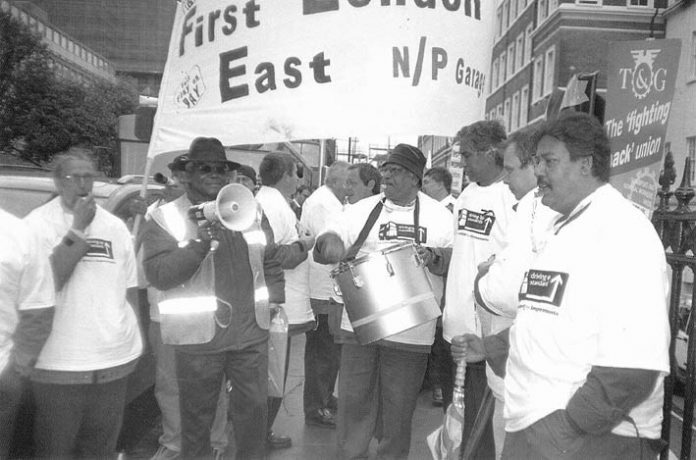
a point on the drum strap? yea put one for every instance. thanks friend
(370, 222)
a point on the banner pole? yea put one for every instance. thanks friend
(322, 161)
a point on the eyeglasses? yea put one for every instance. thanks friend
(80, 178)
(392, 170)
(209, 168)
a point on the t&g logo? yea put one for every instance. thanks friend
(642, 78)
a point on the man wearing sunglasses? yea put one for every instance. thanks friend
(244, 279)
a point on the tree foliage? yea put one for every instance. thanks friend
(42, 114)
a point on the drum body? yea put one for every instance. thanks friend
(386, 292)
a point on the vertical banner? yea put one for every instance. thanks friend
(640, 86)
(268, 71)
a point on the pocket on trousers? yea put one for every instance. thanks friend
(554, 437)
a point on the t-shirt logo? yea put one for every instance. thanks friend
(394, 231)
(100, 249)
(476, 223)
(544, 286)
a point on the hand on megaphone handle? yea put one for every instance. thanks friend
(209, 231)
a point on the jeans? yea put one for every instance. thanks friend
(78, 420)
(322, 360)
(167, 394)
(553, 438)
(11, 385)
(199, 377)
(378, 391)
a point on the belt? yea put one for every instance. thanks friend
(83, 377)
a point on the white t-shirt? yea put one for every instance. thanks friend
(26, 281)
(481, 217)
(319, 210)
(395, 223)
(596, 295)
(94, 326)
(449, 202)
(284, 224)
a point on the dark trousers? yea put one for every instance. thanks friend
(199, 377)
(552, 438)
(474, 387)
(437, 359)
(378, 391)
(11, 385)
(322, 360)
(78, 421)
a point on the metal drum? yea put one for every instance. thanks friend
(386, 292)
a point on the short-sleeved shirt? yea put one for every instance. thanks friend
(396, 223)
(94, 326)
(26, 281)
(596, 295)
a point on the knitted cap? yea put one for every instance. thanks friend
(409, 158)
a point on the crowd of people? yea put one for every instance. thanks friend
(534, 266)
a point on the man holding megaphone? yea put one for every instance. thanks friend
(216, 298)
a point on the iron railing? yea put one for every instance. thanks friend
(676, 227)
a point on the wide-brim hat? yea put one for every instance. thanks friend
(409, 158)
(209, 149)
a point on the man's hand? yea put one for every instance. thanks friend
(468, 347)
(209, 232)
(137, 205)
(426, 254)
(306, 236)
(331, 247)
(84, 210)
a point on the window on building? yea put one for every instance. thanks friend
(513, 10)
(553, 5)
(693, 55)
(511, 59)
(524, 105)
(549, 69)
(691, 152)
(538, 77)
(506, 14)
(519, 51)
(499, 22)
(638, 3)
(515, 123)
(500, 114)
(23, 17)
(588, 2)
(15, 12)
(542, 11)
(495, 80)
(528, 43)
(503, 67)
(492, 115)
(507, 114)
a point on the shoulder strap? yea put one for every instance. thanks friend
(362, 236)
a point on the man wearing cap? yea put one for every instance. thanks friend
(247, 177)
(379, 382)
(228, 336)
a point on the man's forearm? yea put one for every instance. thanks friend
(607, 396)
(31, 334)
(440, 262)
(497, 348)
(66, 256)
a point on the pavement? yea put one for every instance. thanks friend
(308, 442)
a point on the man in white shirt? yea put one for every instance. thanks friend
(322, 355)
(588, 350)
(363, 180)
(437, 184)
(81, 374)
(27, 297)
(278, 174)
(379, 382)
(481, 216)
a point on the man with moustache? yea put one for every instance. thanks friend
(235, 280)
(588, 350)
(380, 382)
(80, 376)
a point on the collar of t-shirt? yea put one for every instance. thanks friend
(579, 209)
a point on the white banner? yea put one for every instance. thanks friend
(275, 70)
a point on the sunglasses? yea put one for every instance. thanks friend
(210, 168)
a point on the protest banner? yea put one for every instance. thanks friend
(252, 71)
(640, 86)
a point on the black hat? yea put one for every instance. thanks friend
(247, 171)
(409, 158)
(209, 149)
(179, 163)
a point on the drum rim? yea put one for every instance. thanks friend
(372, 255)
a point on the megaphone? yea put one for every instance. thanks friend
(235, 208)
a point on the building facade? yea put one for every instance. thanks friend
(540, 44)
(681, 129)
(71, 59)
(132, 34)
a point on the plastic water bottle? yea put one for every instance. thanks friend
(277, 349)
(458, 392)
